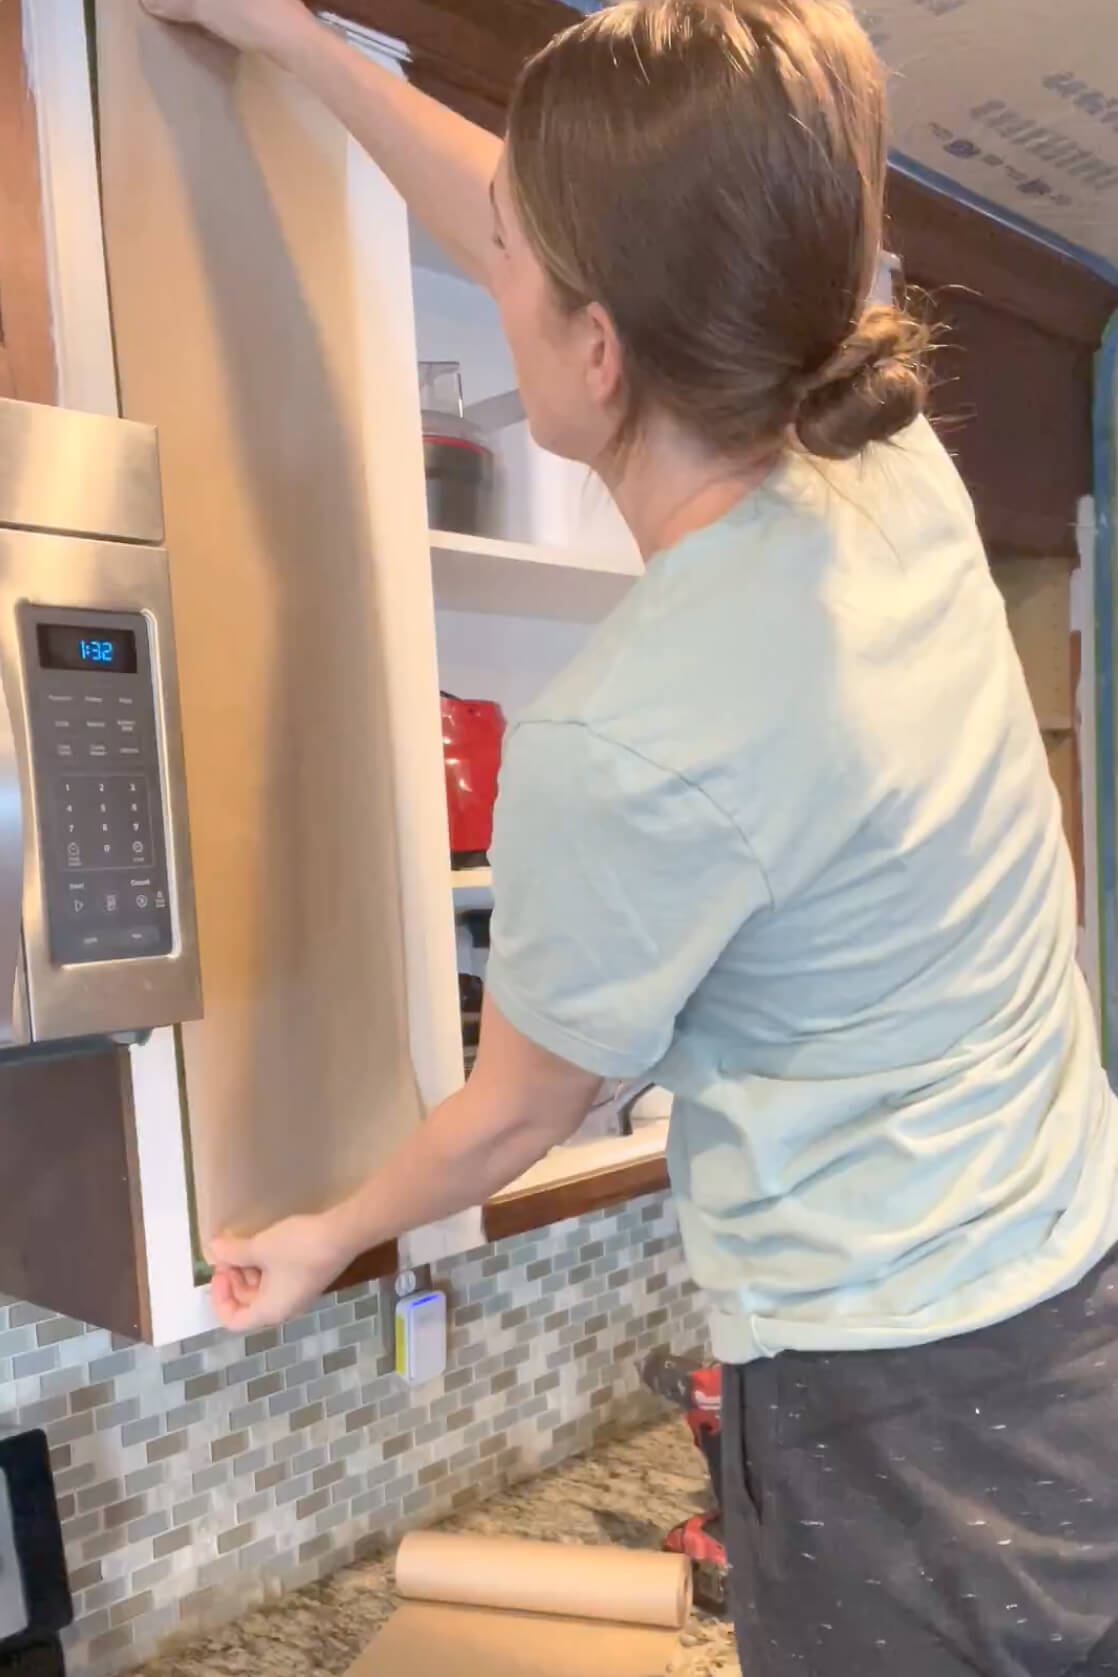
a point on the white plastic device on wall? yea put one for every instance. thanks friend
(421, 1337)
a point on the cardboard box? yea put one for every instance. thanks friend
(1037, 594)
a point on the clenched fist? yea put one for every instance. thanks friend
(252, 25)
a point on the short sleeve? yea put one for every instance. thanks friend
(617, 885)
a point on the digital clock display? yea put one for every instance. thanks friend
(68, 646)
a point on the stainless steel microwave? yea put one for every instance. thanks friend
(97, 922)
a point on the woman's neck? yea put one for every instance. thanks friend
(667, 486)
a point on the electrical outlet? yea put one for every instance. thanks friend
(390, 1291)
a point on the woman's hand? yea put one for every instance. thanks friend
(275, 1274)
(252, 25)
(440, 163)
(519, 1102)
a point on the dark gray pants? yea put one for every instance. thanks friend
(936, 1511)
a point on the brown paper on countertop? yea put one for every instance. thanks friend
(499, 1607)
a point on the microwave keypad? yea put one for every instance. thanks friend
(96, 766)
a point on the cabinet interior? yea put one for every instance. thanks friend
(514, 603)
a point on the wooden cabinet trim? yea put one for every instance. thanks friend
(519, 1213)
(466, 53)
(945, 243)
(537, 1209)
(373, 1265)
(72, 1235)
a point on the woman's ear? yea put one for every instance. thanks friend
(604, 359)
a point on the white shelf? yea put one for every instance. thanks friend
(472, 888)
(481, 573)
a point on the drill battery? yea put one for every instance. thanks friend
(695, 1388)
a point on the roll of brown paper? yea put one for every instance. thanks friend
(561, 1579)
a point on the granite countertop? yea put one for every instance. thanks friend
(628, 1492)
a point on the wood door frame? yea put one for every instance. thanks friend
(76, 282)
(153, 1192)
(27, 368)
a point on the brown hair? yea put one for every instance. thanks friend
(712, 173)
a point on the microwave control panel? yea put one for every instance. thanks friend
(94, 746)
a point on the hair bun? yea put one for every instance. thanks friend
(872, 387)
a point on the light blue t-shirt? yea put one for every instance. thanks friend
(784, 833)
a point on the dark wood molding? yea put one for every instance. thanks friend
(27, 368)
(946, 244)
(1014, 367)
(466, 53)
(373, 1265)
(535, 1209)
(1013, 402)
(71, 1234)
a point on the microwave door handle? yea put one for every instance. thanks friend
(11, 873)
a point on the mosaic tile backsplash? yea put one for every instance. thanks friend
(194, 1481)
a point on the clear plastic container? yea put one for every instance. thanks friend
(457, 461)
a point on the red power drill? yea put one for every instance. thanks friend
(697, 1390)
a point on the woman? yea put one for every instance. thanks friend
(784, 831)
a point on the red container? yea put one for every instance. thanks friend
(473, 730)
